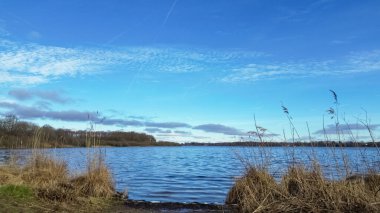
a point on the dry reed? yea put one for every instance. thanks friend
(303, 190)
(51, 180)
(96, 181)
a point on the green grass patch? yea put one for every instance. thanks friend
(16, 191)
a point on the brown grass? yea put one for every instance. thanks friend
(9, 175)
(305, 190)
(97, 181)
(255, 190)
(51, 180)
(42, 170)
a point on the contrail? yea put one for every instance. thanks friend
(116, 37)
(158, 32)
(139, 70)
(169, 13)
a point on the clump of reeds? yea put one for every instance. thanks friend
(303, 190)
(10, 175)
(255, 190)
(96, 181)
(41, 170)
(50, 178)
(308, 190)
(303, 187)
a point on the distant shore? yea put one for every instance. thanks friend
(173, 144)
(289, 144)
(15, 134)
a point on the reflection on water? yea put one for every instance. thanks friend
(199, 174)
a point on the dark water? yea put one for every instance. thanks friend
(202, 174)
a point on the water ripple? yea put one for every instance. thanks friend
(189, 174)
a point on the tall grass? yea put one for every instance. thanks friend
(50, 178)
(97, 180)
(304, 190)
(303, 186)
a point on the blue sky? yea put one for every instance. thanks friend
(191, 70)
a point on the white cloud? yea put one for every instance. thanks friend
(31, 63)
(364, 62)
(354, 63)
(256, 72)
(6, 77)
(179, 68)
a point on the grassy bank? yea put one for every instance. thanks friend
(45, 184)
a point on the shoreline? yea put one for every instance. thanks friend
(178, 206)
(230, 144)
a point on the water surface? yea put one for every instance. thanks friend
(201, 174)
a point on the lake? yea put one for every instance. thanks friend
(201, 173)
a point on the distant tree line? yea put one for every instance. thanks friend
(290, 144)
(22, 134)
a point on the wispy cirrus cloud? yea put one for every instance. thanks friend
(8, 77)
(31, 63)
(362, 62)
